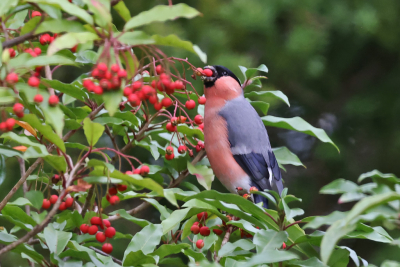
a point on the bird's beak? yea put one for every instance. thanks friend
(209, 78)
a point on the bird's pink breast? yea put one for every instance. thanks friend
(217, 146)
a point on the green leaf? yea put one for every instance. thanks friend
(291, 213)
(20, 202)
(269, 256)
(269, 240)
(66, 6)
(58, 26)
(30, 25)
(101, 12)
(137, 258)
(53, 116)
(93, 131)
(285, 156)
(18, 19)
(96, 162)
(56, 240)
(36, 198)
(136, 38)
(204, 175)
(249, 73)
(163, 210)
(379, 177)
(112, 100)
(340, 257)
(161, 13)
(18, 215)
(169, 249)
(339, 186)
(316, 222)
(175, 41)
(5, 6)
(9, 152)
(69, 40)
(229, 247)
(313, 262)
(27, 61)
(68, 89)
(23, 140)
(45, 130)
(332, 236)
(146, 240)
(190, 132)
(260, 106)
(298, 124)
(57, 162)
(122, 10)
(6, 95)
(369, 203)
(122, 213)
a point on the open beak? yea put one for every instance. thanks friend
(209, 78)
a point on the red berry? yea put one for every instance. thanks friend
(12, 78)
(3, 126)
(169, 156)
(73, 49)
(153, 99)
(112, 191)
(84, 228)
(201, 126)
(182, 149)
(199, 71)
(93, 230)
(46, 204)
(36, 14)
(137, 85)
(166, 102)
(195, 229)
(33, 81)
(122, 73)
(122, 187)
(169, 150)
(190, 104)
(96, 73)
(38, 98)
(136, 171)
(158, 106)
(62, 206)
(45, 39)
(53, 100)
(12, 52)
(239, 188)
(217, 231)
(10, 122)
(134, 100)
(107, 248)
(199, 146)
(201, 100)
(128, 91)
(198, 119)
(202, 215)
(114, 200)
(95, 220)
(37, 50)
(170, 127)
(159, 69)
(106, 223)
(144, 170)
(69, 202)
(100, 237)
(97, 90)
(105, 84)
(205, 231)
(102, 67)
(53, 199)
(114, 68)
(179, 85)
(200, 244)
(283, 245)
(208, 72)
(246, 196)
(18, 108)
(88, 84)
(110, 232)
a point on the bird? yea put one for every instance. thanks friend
(236, 141)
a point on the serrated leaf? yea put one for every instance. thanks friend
(161, 13)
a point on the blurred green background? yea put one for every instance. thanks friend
(339, 64)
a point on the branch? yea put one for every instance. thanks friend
(272, 218)
(224, 241)
(87, 202)
(296, 222)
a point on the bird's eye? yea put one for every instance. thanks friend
(224, 73)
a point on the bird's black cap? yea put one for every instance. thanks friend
(218, 72)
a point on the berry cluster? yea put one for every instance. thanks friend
(112, 193)
(108, 78)
(93, 229)
(18, 109)
(47, 39)
(8, 125)
(199, 227)
(53, 199)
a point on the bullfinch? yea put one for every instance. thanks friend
(236, 140)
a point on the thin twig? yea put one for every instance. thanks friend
(272, 218)
(105, 254)
(87, 201)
